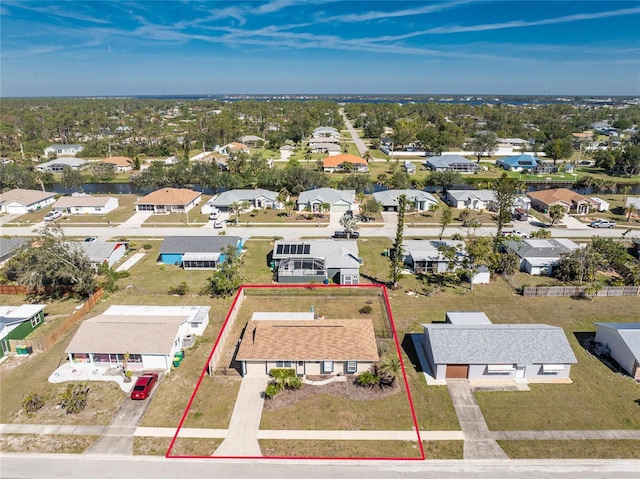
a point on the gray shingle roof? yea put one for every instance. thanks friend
(227, 197)
(337, 254)
(499, 344)
(326, 195)
(541, 248)
(197, 244)
(446, 161)
(98, 251)
(464, 195)
(390, 197)
(8, 245)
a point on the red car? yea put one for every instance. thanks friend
(144, 385)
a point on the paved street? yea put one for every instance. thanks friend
(69, 466)
(362, 148)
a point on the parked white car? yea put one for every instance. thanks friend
(52, 215)
(217, 224)
(515, 234)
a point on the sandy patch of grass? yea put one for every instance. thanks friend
(158, 446)
(568, 449)
(339, 449)
(214, 402)
(45, 443)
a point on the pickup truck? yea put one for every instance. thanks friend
(602, 224)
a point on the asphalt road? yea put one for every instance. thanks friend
(362, 148)
(46, 466)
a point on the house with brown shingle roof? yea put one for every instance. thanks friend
(335, 163)
(309, 345)
(169, 200)
(120, 164)
(20, 201)
(570, 201)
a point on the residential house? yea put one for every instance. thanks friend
(309, 345)
(197, 252)
(621, 341)
(539, 256)
(339, 201)
(121, 164)
(81, 204)
(169, 200)
(602, 205)
(474, 350)
(58, 165)
(234, 147)
(417, 199)
(319, 261)
(470, 199)
(149, 336)
(425, 256)
(456, 163)
(325, 132)
(409, 168)
(102, 252)
(257, 198)
(330, 146)
(9, 247)
(516, 143)
(528, 163)
(20, 201)
(252, 140)
(335, 163)
(466, 317)
(17, 322)
(570, 201)
(63, 150)
(635, 201)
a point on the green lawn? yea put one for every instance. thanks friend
(297, 218)
(578, 449)
(359, 449)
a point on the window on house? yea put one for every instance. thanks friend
(283, 364)
(35, 321)
(352, 366)
(552, 368)
(500, 368)
(327, 366)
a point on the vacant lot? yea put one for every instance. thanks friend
(45, 443)
(578, 449)
(443, 449)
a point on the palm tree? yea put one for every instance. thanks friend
(556, 212)
(629, 210)
(389, 369)
(234, 208)
(324, 207)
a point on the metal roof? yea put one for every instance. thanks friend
(629, 332)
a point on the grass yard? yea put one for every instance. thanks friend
(45, 443)
(568, 449)
(187, 446)
(258, 217)
(443, 449)
(214, 402)
(339, 449)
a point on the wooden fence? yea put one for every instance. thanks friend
(578, 291)
(13, 289)
(61, 329)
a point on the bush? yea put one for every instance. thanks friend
(32, 402)
(180, 290)
(368, 379)
(365, 309)
(74, 399)
(147, 246)
(271, 391)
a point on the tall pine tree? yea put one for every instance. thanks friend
(397, 254)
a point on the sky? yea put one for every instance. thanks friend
(510, 47)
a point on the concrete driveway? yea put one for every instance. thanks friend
(118, 436)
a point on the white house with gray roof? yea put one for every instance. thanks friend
(539, 256)
(477, 351)
(99, 252)
(150, 335)
(470, 199)
(63, 150)
(258, 198)
(621, 341)
(86, 204)
(456, 163)
(338, 200)
(58, 165)
(20, 201)
(320, 261)
(425, 256)
(418, 199)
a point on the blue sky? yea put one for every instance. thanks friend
(67, 48)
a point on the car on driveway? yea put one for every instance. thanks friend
(90, 239)
(601, 223)
(52, 215)
(144, 385)
(217, 224)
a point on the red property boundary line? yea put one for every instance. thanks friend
(239, 294)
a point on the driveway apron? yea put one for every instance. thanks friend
(242, 435)
(478, 440)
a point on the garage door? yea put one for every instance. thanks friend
(457, 371)
(339, 208)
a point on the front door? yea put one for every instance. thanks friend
(300, 368)
(520, 373)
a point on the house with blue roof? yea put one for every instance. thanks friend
(520, 163)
